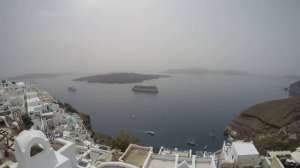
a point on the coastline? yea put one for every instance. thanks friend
(98, 137)
(120, 78)
(271, 125)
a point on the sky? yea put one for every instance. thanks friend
(98, 36)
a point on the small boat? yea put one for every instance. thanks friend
(133, 116)
(191, 142)
(205, 147)
(150, 132)
(72, 89)
(212, 134)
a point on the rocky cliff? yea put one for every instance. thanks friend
(271, 125)
(294, 89)
(97, 136)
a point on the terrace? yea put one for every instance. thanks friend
(203, 162)
(136, 155)
(181, 153)
(161, 161)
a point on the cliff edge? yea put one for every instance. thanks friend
(294, 89)
(272, 125)
(97, 136)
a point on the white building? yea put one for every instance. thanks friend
(17, 104)
(33, 150)
(2, 94)
(240, 153)
(296, 155)
(21, 85)
(34, 104)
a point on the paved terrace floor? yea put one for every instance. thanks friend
(159, 163)
(203, 165)
(136, 157)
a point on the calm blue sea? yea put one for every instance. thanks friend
(187, 106)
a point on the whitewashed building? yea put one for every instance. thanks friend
(240, 153)
(34, 104)
(33, 150)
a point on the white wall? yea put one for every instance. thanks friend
(248, 159)
(47, 158)
(68, 150)
(30, 95)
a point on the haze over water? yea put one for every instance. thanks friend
(98, 36)
(55, 36)
(187, 106)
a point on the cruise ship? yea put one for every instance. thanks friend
(147, 89)
(37, 145)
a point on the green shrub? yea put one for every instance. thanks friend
(123, 140)
(27, 121)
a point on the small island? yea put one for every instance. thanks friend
(197, 71)
(35, 76)
(120, 78)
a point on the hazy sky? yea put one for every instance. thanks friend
(154, 35)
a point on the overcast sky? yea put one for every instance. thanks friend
(155, 35)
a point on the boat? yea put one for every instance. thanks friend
(133, 116)
(145, 89)
(212, 134)
(72, 89)
(150, 132)
(191, 142)
(205, 147)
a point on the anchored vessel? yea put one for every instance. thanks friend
(72, 89)
(212, 134)
(147, 89)
(191, 142)
(150, 132)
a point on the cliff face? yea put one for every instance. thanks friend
(97, 136)
(294, 89)
(273, 119)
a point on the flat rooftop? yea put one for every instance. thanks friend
(136, 156)
(185, 154)
(245, 148)
(31, 93)
(161, 163)
(32, 108)
(57, 145)
(202, 165)
(31, 100)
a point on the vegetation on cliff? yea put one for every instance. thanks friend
(27, 121)
(121, 141)
(97, 136)
(272, 125)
